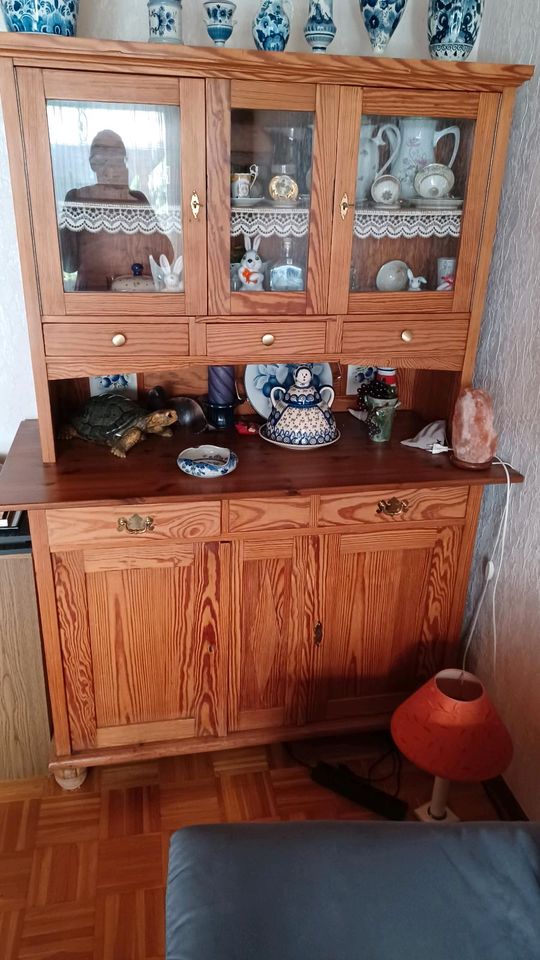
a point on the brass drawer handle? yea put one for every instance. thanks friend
(135, 524)
(392, 507)
(407, 336)
(195, 205)
(345, 206)
(119, 340)
(268, 339)
(318, 634)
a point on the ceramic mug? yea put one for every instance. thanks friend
(380, 418)
(241, 183)
(446, 272)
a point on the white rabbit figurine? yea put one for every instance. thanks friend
(415, 283)
(167, 278)
(250, 268)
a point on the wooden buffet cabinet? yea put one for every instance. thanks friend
(307, 592)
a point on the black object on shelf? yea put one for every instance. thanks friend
(16, 539)
(344, 782)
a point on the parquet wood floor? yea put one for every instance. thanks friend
(82, 875)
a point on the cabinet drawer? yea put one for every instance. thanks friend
(271, 339)
(442, 504)
(116, 340)
(433, 344)
(75, 529)
(279, 514)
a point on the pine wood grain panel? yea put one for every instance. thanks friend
(71, 602)
(21, 202)
(436, 344)
(447, 504)
(423, 103)
(479, 173)
(156, 649)
(377, 302)
(122, 734)
(24, 723)
(438, 644)
(33, 118)
(142, 339)
(393, 540)
(371, 625)
(59, 368)
(496, 178)
(218, 153)
(138, 557)
(322, 197)
(265, 95)
(267, 303)
(244, 342)
(94, 526)
(268, 514)
(75, 85)
(193, 172)
(86, 304)
(127, 57)
(350, 112)
(51, 635)
(264, 631)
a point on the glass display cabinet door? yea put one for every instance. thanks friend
(271, 203)
(409, 209)
(123, 202)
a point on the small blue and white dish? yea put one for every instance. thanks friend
(207, 462)
(42, 16)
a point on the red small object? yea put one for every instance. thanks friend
(246, 429)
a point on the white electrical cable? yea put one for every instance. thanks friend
(489, 572)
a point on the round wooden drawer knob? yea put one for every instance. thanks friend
(118, 340)
(268, 339)
(406, 336)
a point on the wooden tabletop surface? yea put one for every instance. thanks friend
(86, 474)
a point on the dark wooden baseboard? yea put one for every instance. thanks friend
(504, 800)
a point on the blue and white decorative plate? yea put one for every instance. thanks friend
(259, 379)
(207, 462)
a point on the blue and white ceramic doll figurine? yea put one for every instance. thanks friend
(320, 28)
(271, 26)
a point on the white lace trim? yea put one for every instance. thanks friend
(406, 223)
(118, 218)
(270, 223)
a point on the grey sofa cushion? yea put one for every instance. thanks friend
(372, 891)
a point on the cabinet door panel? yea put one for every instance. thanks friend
(385, 613)
(265, 625)
(153, 636)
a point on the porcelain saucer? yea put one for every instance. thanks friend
(207, 462)
(241, 202)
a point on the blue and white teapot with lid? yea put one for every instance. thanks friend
(301, 416)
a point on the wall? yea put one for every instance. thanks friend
(128, 20)
(507, 366)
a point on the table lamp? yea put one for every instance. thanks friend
(450, 728)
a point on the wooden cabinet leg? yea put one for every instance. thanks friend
(70, 779)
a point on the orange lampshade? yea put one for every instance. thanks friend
(450, 728)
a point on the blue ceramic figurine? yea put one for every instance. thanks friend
(381, 18)
(320, 28)
(271, 26)
(453, 27)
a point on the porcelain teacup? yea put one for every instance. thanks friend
(241, 183)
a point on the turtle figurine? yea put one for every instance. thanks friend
(118, 422)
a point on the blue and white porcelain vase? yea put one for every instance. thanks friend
(165, 21)
(320, 28)
(381, 19)
(42, 16)
(453, 27)
(219, 20)
(272, 26)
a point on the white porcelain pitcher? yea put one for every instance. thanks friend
(368, 155)
(419, 137)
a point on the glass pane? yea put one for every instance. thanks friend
(410, 191)
(116, 170)
(271, 157)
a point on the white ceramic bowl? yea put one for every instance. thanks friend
(392, 276)
(207, 462)
(434, 181)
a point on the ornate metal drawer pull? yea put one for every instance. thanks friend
(195, 205)
(392, 507)
(318, 634)
(345, 206)
(135, 524)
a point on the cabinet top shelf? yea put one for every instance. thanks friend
(83, 53)
(85, 473)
